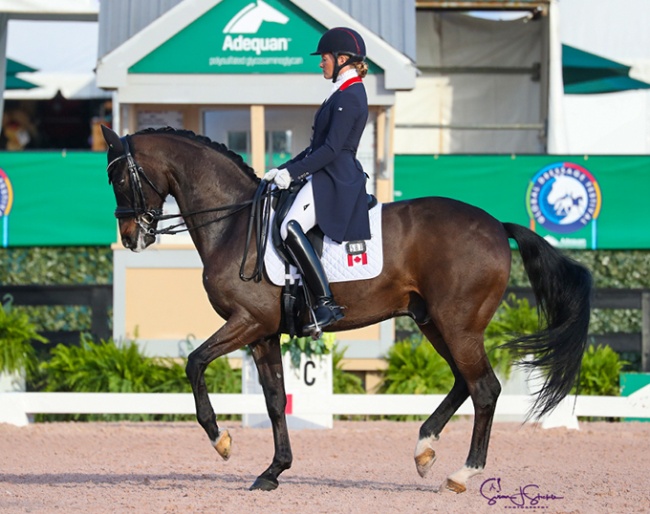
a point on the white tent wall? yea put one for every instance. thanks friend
(611, 123)
(482, 87)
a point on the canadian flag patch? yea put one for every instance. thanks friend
(357, 254)
(361, 259)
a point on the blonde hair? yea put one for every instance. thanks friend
(362, 68)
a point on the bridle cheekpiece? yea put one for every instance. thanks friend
(144, 217)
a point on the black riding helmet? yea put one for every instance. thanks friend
(342, 41)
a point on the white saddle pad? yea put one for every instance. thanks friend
(339, 264)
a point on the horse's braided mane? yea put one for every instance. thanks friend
(219, 147)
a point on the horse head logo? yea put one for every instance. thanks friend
(568, 198)
(249, 19)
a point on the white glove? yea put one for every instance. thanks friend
(282, 178)
(270, 175)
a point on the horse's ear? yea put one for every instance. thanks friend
(112, 140)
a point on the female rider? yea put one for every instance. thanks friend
(334, 191)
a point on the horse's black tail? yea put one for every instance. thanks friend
(562, 289)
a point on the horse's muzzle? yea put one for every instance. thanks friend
(135, 236)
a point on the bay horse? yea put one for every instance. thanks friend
(446, 265)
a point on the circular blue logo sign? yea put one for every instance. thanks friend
(6, 194)
(563, 197)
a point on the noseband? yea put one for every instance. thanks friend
(144, 217)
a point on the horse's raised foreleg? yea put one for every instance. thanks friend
(232, 336)
(268, 360)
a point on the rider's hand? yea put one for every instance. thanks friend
(282, 178)
(270, 175)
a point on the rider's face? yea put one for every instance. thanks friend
(327, 65)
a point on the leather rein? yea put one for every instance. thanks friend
(145, 217)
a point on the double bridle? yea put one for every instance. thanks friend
(145, 217)
(139, 211)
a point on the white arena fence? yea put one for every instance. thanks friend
(17, 407)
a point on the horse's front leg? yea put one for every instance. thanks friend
(268, 360)
(232, 336)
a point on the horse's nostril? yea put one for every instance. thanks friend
(127, 242)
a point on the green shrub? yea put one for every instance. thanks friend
(112, 368)
(108, 367)
(515, 317)
(307, 346)
(16, 336)
(415, 367)
(599, 375)
(101, 367)
(344, 382)
(56, 265)
(610, 268)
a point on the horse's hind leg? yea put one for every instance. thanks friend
(469, 355)
(268, 360)
(425, 455)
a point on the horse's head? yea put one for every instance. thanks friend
(139, 198)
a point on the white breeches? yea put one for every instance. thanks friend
(302, 210)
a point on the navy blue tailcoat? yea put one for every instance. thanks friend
(338, 179)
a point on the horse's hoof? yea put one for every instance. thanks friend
(264, 484)
(457, 482)
(454, 487)
(424, 461)
(223, 444)
(425, 456)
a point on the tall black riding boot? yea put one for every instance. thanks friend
(326, 310)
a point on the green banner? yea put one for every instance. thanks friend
(580, 202)
(55, 199)
(592, 202)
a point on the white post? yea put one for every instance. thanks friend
(12, 412)
(306, 386)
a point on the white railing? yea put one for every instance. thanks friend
(17, 407)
